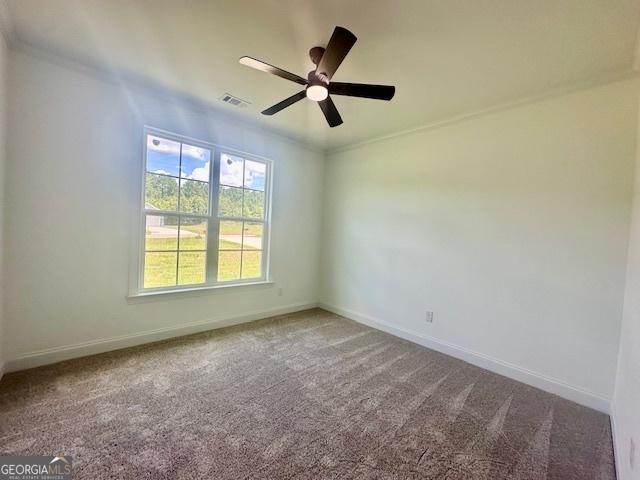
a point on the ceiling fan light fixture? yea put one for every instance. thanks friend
(317, 93)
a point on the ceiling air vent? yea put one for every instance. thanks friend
(235, 101)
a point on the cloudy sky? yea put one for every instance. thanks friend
(231, 168)
(163, 156)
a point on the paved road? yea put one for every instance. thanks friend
(169, 232)
(254, 242)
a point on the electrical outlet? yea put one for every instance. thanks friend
(429, 317)
(279, 292)
(632, 453)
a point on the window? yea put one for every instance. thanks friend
(205, 215)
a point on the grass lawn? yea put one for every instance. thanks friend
(186, 243)
(235, 228)
(199, 228)
(229, 245)
(188, 267)
(231, 262)
(160, 267)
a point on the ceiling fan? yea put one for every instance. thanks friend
(318, 84)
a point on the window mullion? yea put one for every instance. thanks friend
(213, 236)
(266, 224)
(179, 216)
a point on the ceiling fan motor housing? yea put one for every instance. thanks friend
(316, 54)
(314, 78)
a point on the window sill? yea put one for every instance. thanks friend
(181, 292)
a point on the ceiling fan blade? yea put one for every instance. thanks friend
(285, 103)
(378, 92)
(339, 45)
(330, 112)
(265, 67)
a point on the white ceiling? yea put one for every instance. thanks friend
(446, 58)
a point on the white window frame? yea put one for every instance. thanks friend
(212, 217)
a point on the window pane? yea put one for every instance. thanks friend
(253, 204)
(193, 233)
(231, 170)
(228, 266)
(160, 269)
(195, 162)
(161, 232)
(191, 268)
(230, 235)
(230, 202)
(194, 196)
(251, 264)
(161, 192)
(163, 156)
(252, 236)
(254, 175)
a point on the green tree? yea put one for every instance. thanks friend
(161, 192)
(253, 204)
(194, 197)
(230, 202)
(234, 202)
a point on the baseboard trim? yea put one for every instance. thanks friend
(543, 382)
(59, 354)
(617, 448)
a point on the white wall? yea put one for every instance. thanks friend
(3, 128)
(626, 401)
(75, 168)
(512, 227)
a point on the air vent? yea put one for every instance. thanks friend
(235, 101)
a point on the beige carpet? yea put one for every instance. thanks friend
(306, 396)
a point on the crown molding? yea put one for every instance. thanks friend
(523, 101)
